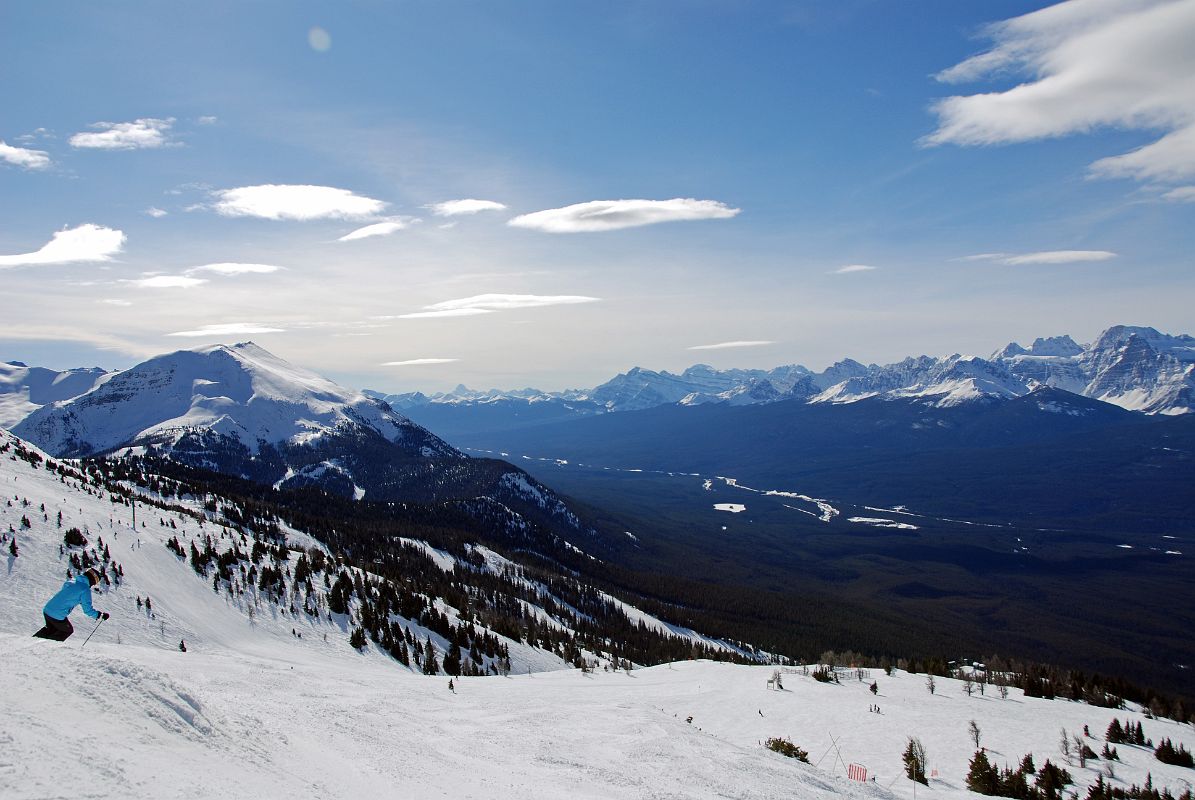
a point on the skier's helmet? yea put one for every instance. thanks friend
(93, 577)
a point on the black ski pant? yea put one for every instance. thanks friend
(57, 629)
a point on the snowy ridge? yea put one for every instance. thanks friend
(241, 392)
(1137, 368)
(25, 389)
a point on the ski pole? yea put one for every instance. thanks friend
(93, 630)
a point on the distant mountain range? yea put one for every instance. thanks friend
(1136, 368)
(242, 411)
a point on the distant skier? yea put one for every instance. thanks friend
(182, 645)
(73, 593)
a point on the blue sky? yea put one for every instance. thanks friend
(769, 182)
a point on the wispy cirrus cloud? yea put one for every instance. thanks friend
(1125, 64)
(610, 215)
(295, 202)
(490, 303)
(454, 208)
(732, 345)
(136, 135)
(87, 242)
(229, 329)
(419, 362)
(233, 268)
(155, 212)
(849, 268)
(1043, 257)
(1183, 194)
(24, 157)
(379, 229)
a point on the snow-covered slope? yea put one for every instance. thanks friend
(25, 389)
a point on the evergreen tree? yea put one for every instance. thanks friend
(12, 547)
(452, 660)
(357, 639)
(430, 665)
(1052, 780)
(914, 761)
(982, 777)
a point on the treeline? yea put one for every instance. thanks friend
(537, 600)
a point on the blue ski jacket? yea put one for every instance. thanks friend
(73, 593)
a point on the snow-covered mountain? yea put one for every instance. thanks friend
(24, 389)
(241, 393)
(1137, 368)
(243, 411)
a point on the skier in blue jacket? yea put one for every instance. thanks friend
(73, 593)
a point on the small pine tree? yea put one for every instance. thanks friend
(929, 683)
(12, 548)
(914, 761)
(357, 639)
(430, 665)
(1052, 780)
(1027, 765)
(973, 732)
(982, 777)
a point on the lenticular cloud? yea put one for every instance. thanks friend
(295, 202)
(610, 215)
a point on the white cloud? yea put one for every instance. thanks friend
(229, 329)
(1043, 257)
(297, 202)
(451, 312)
(849, 268)
(136, 135)
(609, 215)
(1087, 64)
(489, 303)
(85, 243)
(452, 208)
(116, 301)
(417, 362)
(227, 268)
(1060, 257)
(982, 257)
(167, 282)
(155, 212)
(730, 345)
(506, 302)
(208, 120)
(23, 157)
(1183, 194)
(377, 229)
